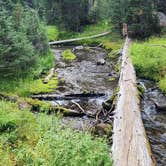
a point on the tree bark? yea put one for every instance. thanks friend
(130, 144)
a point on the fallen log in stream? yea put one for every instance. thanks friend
(130, 144)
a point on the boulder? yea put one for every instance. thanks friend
(103, 129)
(101, 62)
(162, 18)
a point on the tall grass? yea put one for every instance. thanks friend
(149, 59)
(26, 139)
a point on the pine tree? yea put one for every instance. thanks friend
(137, 14)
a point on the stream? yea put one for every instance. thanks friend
(84, 83)
(154, 121)
(90, 80)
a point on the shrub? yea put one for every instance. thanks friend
(52, 32)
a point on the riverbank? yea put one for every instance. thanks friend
(149, 59)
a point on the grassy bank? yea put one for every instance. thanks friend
(149, 59)
(26, 139)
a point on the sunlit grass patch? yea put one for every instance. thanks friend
(149, 59)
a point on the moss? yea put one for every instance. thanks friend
(42, 106)
(38, 105)
(68, 55)
(112, 79)
(162, 84)
(111, 45)
(38, 87)
(141, 89)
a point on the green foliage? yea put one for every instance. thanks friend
(162, 83)
(44, 63)
(32, 83)
(37, 86)
(28, 86)
(42, 140)
(149, 59)
(35, 31)
(52, 32)
(68, 55)
(94, 29)
(88, 30)
(22, 40)
(138, 15)
(111, 45)
(161, 5)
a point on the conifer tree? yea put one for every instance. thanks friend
(137, 14)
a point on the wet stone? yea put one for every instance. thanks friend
(101, 62)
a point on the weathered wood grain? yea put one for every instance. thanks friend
(130, 143)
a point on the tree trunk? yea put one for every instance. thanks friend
(130, 144)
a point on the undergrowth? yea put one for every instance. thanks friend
(149, 59)
(52, 32)
(31, 83)
(26, 139)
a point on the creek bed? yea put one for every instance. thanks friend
(85, 83)
(154, 120)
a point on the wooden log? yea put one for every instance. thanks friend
(79, 39)
(130, 144)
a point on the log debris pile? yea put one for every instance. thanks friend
(130, 144)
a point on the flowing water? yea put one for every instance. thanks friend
(85, 83)
(154, 120)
